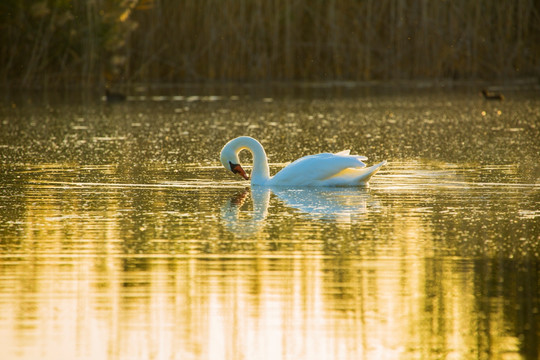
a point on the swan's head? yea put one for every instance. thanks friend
(229, 159)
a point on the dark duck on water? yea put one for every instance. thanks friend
(113, 97)
(490, 95)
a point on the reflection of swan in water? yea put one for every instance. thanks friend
(336, 204)
(340, 205)
(241, 222)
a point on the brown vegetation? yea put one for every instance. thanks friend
(75, 42)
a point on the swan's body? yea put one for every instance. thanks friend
(341, 169)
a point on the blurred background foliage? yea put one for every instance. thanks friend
(49, 43)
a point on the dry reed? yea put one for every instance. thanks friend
(64, 42)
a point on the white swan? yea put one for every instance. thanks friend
(325, 169)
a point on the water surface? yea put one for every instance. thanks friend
(123, 238)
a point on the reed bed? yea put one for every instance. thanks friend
(76, 42)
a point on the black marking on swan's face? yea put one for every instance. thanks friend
(234, 167)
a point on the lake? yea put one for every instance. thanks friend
(123, 237)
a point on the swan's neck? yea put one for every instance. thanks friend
(261, 172)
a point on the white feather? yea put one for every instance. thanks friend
(326, 169)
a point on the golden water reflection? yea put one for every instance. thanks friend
(256, 307)
(415, 268)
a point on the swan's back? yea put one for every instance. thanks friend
(319, 170)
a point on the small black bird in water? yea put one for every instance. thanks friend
(114, 96)
(488, 95)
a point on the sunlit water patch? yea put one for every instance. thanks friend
(195, 264)
(200, 211)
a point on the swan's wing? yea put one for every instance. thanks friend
(352, 176)
(315, 168)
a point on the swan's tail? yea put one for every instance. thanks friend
(367, 173)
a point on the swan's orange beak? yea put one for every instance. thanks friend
(237, 169)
